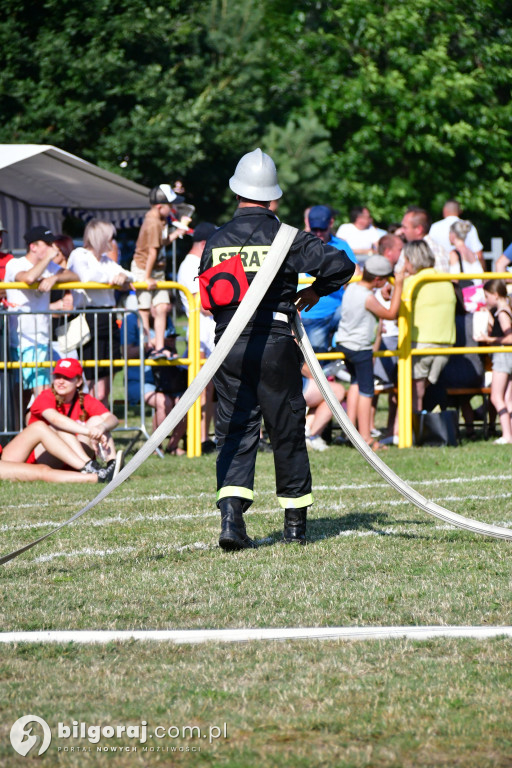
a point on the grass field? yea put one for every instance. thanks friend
(147, 557)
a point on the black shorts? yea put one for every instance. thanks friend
(105, 343)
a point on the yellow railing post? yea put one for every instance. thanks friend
(194, 413)
(404, 371)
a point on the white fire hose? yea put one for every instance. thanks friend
(248, 306)
(375, 461)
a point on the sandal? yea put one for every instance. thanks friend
(162, 354)
(376, 446)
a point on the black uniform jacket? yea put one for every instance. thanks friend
(251, 232)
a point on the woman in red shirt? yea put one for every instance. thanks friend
(80, 420)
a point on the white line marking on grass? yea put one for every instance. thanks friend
(119, 551)
(349, 486)
(436, 481)
(243, 635)
(156, 518)
(81, 552)
(109, 521)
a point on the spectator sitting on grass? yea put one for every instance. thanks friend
(83, 422)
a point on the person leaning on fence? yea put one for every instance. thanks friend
(92, 265)
(433, 318)
(29, 336)
(148, 265)
(499, 332)
(80, 419)
(261, 374)
(356, 336)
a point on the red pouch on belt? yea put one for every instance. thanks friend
(224, 284)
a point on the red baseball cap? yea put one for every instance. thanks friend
(68, 367)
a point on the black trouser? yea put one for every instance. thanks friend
(261, 377)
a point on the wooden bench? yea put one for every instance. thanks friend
(484, 392)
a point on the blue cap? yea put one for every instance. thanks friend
(320, 217)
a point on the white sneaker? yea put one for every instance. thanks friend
(316, 443)
(501, 441)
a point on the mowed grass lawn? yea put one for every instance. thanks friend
(147, 558)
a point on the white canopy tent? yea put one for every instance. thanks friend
(41, 184)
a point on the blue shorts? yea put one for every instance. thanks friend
(360, 366)
(320, 330)
(32, 377)
(134, 391)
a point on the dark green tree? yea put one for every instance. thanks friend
(383, 103)
(416, 96)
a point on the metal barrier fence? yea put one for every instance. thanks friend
(193, 361)
(404, 351)
(12, 399)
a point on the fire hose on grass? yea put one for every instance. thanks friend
(378, 465)
(248, 306)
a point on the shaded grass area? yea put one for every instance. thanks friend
(147, 558)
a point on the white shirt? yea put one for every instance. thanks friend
(360, 239)
(440, 230)
(389, 327)
(90, 270)
(187, 274)
(442, 256)
(442, 259)
(27, 331)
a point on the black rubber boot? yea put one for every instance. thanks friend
(233, 535)
(295, 525)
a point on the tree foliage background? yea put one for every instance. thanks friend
(382, 103)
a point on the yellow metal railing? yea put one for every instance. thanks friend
(404, 351)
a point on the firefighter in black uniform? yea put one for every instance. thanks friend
(261, 376)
